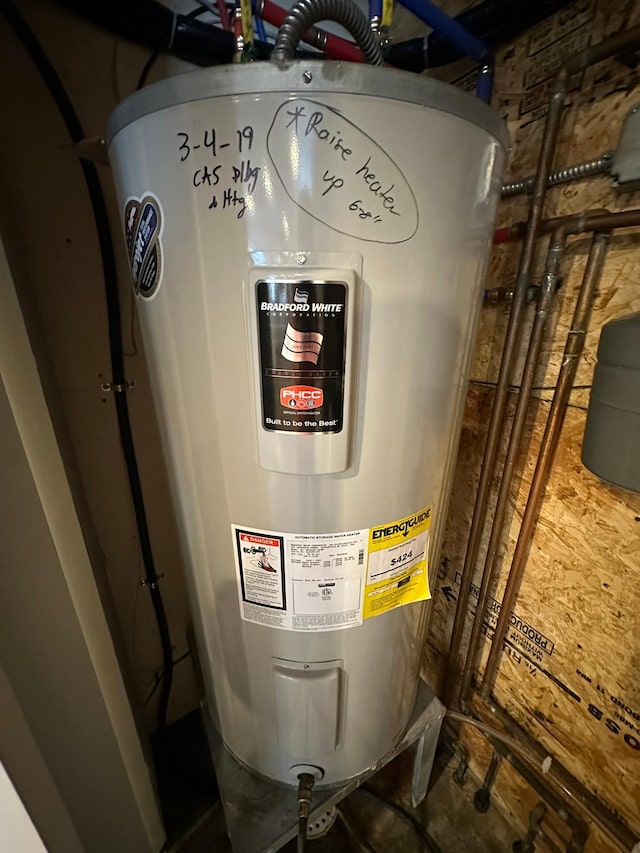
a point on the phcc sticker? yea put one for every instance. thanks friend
(301, 397)
(143, 222)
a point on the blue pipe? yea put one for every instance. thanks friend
(448, 27)
(484, 84)
(262, 36)
(375, 10)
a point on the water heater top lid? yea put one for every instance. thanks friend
(311, 77)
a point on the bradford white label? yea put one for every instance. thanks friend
(302, 336)
(143, 228)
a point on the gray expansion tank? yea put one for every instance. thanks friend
(611, 447)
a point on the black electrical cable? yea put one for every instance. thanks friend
(361, 842)
(158, 680)
(118, 379)
(426, 840)
(146, 69)
(155, 55)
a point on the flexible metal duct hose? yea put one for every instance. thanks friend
(308, 12)
(599, 166)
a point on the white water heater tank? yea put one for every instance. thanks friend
(308, 243)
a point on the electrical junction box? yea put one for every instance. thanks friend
(625, 170)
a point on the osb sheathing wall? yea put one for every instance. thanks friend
(577, 688)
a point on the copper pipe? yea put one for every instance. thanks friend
(619, 43)
(545, 162)
(458, 680)
(574, 223)
(504, 295)
(558, 776)
(528, 758)
(573, 351)
(548, 289)
(516, 230)
(594, 220)
(574, 346)
(512, 743)
(602, 220)
(624, 41)
(574, 819)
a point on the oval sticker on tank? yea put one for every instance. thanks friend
(339, 175)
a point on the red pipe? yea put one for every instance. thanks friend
(502, 235)
(518, 229)
(339, 48)
(333, 46)
(224, 15)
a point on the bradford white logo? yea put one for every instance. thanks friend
(301, 296)
(301, 346)
(301, 397)
(143, 226)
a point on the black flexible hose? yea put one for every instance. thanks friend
(307, 12)
(359, 840)
(305, 786)
(428, 844)
(119, 383)
(301, 844)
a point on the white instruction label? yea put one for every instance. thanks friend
(326, 579)
(301, 581)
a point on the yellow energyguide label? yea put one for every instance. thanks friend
(397, 571)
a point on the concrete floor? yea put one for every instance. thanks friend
(448, 814)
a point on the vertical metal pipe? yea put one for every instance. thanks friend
(536, 816)
(576, 823)
(548, 289)
(599, 221)
(625, 40)
(573, 351)
(545, 162)
(482, 797)
(559, 777)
